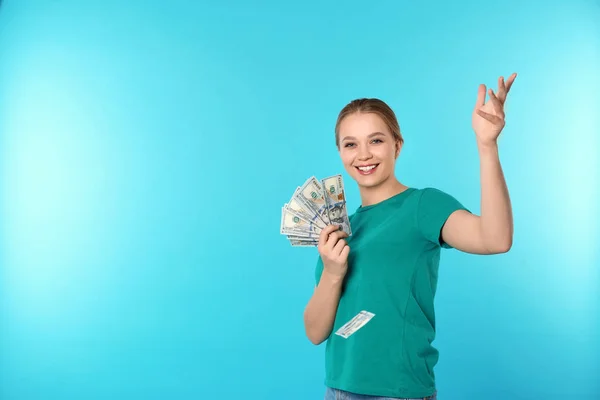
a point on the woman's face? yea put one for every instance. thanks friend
(367, 148)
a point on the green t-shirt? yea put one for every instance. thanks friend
(392, 273)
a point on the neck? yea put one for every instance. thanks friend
(376, 194)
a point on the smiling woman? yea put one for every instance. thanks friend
(361, 115)
(369, 148)
(146, 149)
(378, 286)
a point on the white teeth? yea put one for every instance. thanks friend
(370, 167)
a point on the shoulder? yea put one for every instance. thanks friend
(429, 191)
(430, 195)
(433, 201)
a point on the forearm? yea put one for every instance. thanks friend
(496, 212)
(320, 311)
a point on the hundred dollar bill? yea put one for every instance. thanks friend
(294, 225)
(335, 199)
(311, 196)
(296, 233)
(309, 237)
(303, 243)
(354, 324)
(303, 210)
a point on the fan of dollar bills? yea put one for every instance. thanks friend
(313, 206)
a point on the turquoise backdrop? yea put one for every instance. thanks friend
(146, 149)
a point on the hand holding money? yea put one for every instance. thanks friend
(334, 251)
(314, 206)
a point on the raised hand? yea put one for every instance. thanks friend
(488, 118)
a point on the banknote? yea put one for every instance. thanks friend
(354, 324)
(335, 199)
(303, 243)
(292, 224)
(311, 196)
(303, 210)
(313, 206)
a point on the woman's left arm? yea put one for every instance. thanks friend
(492, 232)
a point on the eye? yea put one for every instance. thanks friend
(348, 144)
(377, 141)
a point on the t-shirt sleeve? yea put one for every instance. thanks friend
(434, 209)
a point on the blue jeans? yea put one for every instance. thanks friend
(336, 394)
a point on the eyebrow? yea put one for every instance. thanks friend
(370, 136)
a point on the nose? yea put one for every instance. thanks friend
(364, 153)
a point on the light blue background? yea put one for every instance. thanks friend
(147, 149)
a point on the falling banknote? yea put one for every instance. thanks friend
(313, 206)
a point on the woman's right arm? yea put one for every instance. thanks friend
(320, 311)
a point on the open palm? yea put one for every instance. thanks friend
(488, 117)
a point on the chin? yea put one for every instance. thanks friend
(368, 181)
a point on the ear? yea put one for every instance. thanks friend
(398, 148)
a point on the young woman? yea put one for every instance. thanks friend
(383, 278)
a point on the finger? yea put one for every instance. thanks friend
(324, 236)
(496, 103)
(492, 118)
(501, 89)
(510, 81)
(345, 252)
(337, 250)
(334, 238)
(480, 96)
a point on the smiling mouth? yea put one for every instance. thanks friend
(367, 169)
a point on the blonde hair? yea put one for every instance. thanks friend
(370, 105)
